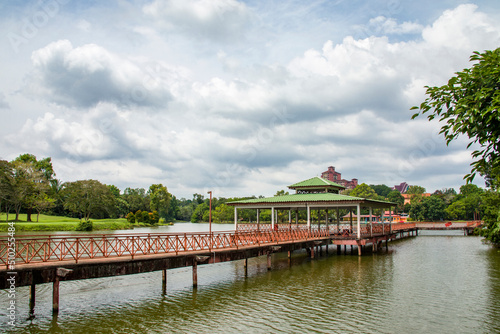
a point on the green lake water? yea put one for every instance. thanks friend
(433, 283)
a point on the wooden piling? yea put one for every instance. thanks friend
(55, 296)
(268, 260)
(195, 273)
(164, 281)
(339, 249)
(32, 298)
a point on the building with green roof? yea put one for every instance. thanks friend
(313, 194)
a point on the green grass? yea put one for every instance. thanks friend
(58, 223)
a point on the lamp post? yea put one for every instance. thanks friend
(210, 219)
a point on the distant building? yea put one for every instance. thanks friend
(334, 176)
(402, 188)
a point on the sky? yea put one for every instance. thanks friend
(239, 98)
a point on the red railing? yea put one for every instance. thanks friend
(32, 249)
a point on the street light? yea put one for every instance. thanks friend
(210, 219)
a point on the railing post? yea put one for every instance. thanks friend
(77, 249)
(133, 248)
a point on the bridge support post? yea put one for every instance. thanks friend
(195, 273)
(32, 298)
(55, 296)
(374, 246)
(312, 252)
(269, 260)
(339, 250)
(60, 272)
(164, 281)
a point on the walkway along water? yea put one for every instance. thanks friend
(51, 259)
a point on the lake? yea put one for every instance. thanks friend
(438, 282)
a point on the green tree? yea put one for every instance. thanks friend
(160, 199)
(468, 105)
(198, 213)
(87, 197)
(415, 190)
(381, 189)
(137, 199)
(364, 191)
(6, 185)
(429, 208)
(395, 197)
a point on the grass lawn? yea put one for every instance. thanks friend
(58, 223)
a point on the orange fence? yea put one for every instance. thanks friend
(35, 249)
(31, 249)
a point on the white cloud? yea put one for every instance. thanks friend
(383, 25)
(87, 75)
(217, 20)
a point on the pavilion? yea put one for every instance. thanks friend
(312, 194)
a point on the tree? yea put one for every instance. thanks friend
(364, 191)
(27, 182)
(415, 190)
(198, 213)
(395, 197)
(469, 105)
(6, 185)
(87, 198)
(137, 199)
(38, 174)
(429, 208)
(160, 199)
(381, 189)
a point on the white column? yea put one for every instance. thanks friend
(258, 219)
(272, 219)
(235, 218)
(308, 218)
(359, 220)
(290, 216)
(371, 222)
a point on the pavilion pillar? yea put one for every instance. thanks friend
(308, 218)
(290, 218)
(235, 218)
(391, 220)
(371, 221)
(338, 220)
(272, 218)
(319, 220)
(382, 220)
(326, 220)
(350, 218)
(296, 216)
(258, 219)
(358, 211)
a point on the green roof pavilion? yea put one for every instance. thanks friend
(312, 194)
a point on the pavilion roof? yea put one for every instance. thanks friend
(316, 183)
(295, 200)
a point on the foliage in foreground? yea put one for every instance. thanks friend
(469, 105)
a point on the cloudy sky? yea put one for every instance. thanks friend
(239, 97)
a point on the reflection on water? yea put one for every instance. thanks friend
(427, 284)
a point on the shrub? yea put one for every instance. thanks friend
(85, 225)
(131, 218)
